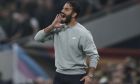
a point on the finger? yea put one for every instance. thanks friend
(56, 16)
(59, 16)
(82, 79)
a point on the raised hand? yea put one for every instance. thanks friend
(55, 24)
(57, 21)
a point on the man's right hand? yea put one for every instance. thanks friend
(57, 21)
(55, 24)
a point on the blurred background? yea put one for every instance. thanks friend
(114, 24)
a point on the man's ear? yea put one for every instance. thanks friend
(74, 14)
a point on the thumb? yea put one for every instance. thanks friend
(58, 25)
(82, 79)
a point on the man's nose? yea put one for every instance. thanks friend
(62, 11)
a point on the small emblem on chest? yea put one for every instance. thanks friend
(73, 37)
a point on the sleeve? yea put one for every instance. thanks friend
(89, 49)
(41, 36)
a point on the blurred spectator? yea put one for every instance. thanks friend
(117, 2)
(29, 6)
(21, 26)
(3, 36)
(116, 81)
(45, 12)
(128, 70)
(117, 76)
(138, 76)
(5, 24)
(1, 81)
(93, 6)
(107, 5)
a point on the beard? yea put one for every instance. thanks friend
(67, 20)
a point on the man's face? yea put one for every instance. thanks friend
(66, 13)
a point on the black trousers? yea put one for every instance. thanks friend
(68, 79)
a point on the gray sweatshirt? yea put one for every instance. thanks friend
(72, 45)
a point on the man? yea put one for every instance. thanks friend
(73, 43)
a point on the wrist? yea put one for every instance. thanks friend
(52, 25)
(90, 76)
(49, 28)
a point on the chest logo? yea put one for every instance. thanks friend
(73, 37)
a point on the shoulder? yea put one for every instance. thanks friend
(83, 31)
(80, 28)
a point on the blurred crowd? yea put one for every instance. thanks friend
(126, 72)
(21, 18)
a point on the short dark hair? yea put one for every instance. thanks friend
(75, 5)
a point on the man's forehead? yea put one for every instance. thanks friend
(67, 6)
